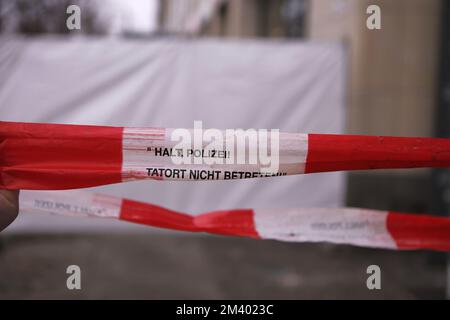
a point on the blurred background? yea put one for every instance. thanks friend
(296, 65)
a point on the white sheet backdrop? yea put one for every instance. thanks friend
(292, 86)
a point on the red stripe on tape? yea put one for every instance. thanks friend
(328, 152)
(152, 215)
(55, 156)
(228, 222)
(413, 231)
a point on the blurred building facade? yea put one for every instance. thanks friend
(392, 86)
(392, 72)
(234, 18)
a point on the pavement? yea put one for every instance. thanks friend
(186, 266)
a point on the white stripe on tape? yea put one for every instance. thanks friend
(351, 226)
(71, 203)
(152, 153)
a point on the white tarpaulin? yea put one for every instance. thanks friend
(290, 86)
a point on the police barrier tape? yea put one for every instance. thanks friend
(55, 156)
(360, 227)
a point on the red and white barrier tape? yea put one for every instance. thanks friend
(53, 156)
(360, 227)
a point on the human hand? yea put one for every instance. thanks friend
(9, 207)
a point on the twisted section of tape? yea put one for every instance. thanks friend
(359, 227)
(54, 156)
